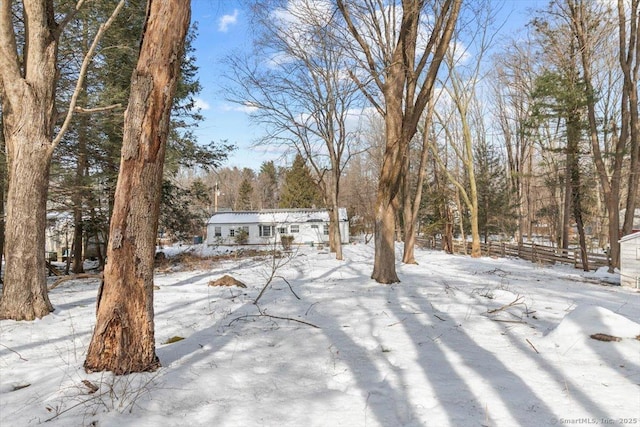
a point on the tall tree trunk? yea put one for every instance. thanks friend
(28, 114)
(384, 269)
(334, 230)
(28, 79)
(412, 207)
(24, 294)
(78, 198)
(630, 67)
(3, 180)
(609, 180)
(404, 103)
(573, 177)
(334, 220)
(123, 339)
(566, 210)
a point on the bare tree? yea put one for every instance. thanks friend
(512, 85)
(123, 338)
(629, 39)
(304, 95)
(28, 78)
(591, 29)
(395, 63)
(465, 74)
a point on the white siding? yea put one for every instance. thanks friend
(630, 260)
(305, 225)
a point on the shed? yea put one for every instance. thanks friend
(263, 227)
(630, 260)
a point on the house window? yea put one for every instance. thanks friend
(265, 230)
(232, 232)
(315, 226)
(294, 228)
(217, 231)
(282, 230)
(325, 229)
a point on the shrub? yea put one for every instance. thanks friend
(286, 242)
(242, 236)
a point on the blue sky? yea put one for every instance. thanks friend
(223, 28)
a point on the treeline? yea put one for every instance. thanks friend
(459, 129)
(419, 117)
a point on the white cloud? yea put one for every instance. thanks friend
(227, 20)
(246, 108)
(201, 104)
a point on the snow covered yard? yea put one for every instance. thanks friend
(459, 342)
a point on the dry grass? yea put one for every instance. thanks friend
(188, 261)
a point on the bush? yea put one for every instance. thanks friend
(286, 242)
(241, 237)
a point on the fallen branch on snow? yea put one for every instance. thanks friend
(519, 300)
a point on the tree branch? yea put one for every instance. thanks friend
(81, 110)
(83, 71)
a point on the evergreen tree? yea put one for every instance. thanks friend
(300, 189)
(245, 194)
(495, 210)
(268, 181)
(85, 174)
(184, 210)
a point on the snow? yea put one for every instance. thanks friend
(459, 342)
(274, 216)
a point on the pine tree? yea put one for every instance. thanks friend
(245, 194)
(495, 209)
(300, 189)
(268, 181)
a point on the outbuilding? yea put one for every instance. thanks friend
(630, 260)
(264, 227)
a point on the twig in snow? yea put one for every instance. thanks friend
(532, 346)
(516, 301)
(290, 288)
(274, 317)
(12, 350)
(310, 307)
(395, 323)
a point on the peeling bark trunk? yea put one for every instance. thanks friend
(123, 339)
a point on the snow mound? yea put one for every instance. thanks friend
(577, 327)
(603, 275)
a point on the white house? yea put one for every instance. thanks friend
(262, 227)
(630, 260)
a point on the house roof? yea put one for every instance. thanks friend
(275, 216)
(631, 236)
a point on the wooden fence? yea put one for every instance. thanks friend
(529, 251)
